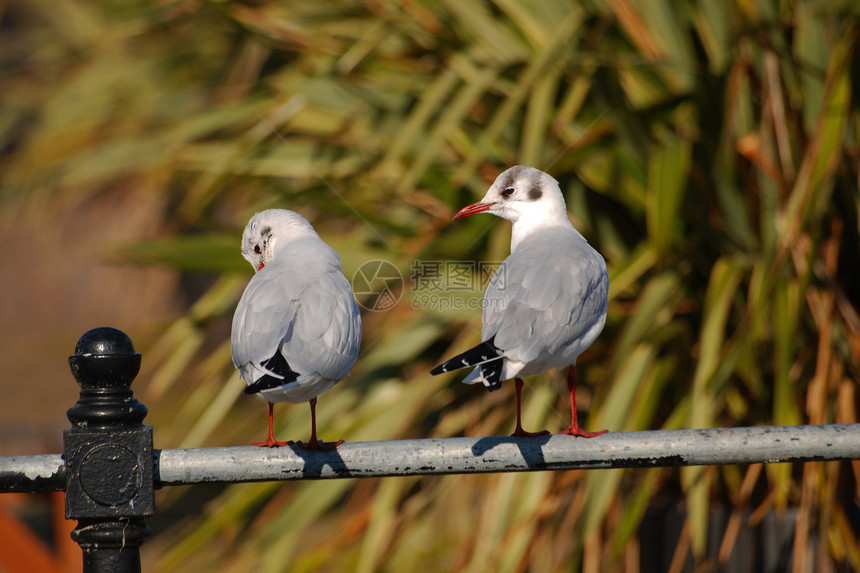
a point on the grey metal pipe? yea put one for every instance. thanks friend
(766, 444)
(508, 454)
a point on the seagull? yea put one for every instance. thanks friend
(297, 328)
(546, 303)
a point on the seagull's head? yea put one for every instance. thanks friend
(522, 194)
(268, 231)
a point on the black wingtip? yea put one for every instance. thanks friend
(485, 353)
(265, 383)
(278, 365)
(492, 373)
(440, 369)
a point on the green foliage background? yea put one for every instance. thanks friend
(709, 149)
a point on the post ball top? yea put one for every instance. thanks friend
(104, 341)
(104, 357)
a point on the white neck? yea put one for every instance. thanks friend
(523, 227)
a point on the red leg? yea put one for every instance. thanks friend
(314, 443)
(574, 429)
(271, 442)
(519, 430)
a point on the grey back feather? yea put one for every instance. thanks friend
(536, 301)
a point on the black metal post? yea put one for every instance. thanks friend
(108, 452)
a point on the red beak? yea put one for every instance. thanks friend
(472, 209)
(260, 268)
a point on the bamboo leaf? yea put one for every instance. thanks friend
(667, 180)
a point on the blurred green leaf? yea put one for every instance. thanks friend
(667, 179)
(194, 253)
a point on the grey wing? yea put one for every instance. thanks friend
(327, 332)
(542, 303)
(265, 315)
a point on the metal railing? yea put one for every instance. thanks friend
(109, 469)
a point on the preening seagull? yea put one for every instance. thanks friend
(297, 328)
(547, 301)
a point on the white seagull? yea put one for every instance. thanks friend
(547, 301)
(297, 328)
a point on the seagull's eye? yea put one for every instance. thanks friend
(257, 249)
(508, 192)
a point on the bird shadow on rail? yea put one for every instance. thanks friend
(316, 460)
(530, 448)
